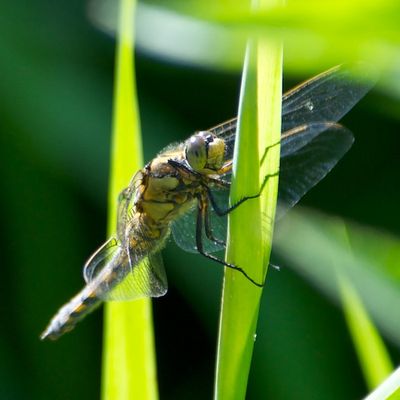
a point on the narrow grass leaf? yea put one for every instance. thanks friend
(372, 354)
(128, 357)
(315, 251)
(251, 224)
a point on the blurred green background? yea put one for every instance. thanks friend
(56, 78)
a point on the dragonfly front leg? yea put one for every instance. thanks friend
(266, 152)
(222, 212)
(219, 182)
(201, 215)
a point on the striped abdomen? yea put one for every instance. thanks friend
(119, 278)
(92, 295)
(71, 313)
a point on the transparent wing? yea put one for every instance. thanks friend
(184, 228)
(146, 279)
(325, 98)
(118, 276)
(125, 204)
(308, 153)
(100, 259)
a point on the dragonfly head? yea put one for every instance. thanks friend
(205, 151)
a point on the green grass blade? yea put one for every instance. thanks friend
(372, 354)
(251, 224)
(317, 253)
(367, 274)
(128, 357)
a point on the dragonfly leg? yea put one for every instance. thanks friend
(266, 152)
(216, 181)
(221, 183)
(181, 166)
(227, 167)
(221, 212)
(199, 244)
(207, 226)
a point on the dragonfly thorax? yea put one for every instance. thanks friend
(205, 151)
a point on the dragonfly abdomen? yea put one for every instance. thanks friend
(71, 313)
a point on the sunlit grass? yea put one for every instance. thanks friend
(129, 370)
(258, 129)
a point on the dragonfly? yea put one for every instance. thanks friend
(184, 191)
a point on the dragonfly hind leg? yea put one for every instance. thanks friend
(201, 217)
(207, 226)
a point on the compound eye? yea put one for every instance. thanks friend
(196, 152)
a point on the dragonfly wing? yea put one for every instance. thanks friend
(125, 204)
(326, 97)
(184, 228)
(308, 153)
(118, 276)
(145, 279)
(100, 258)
